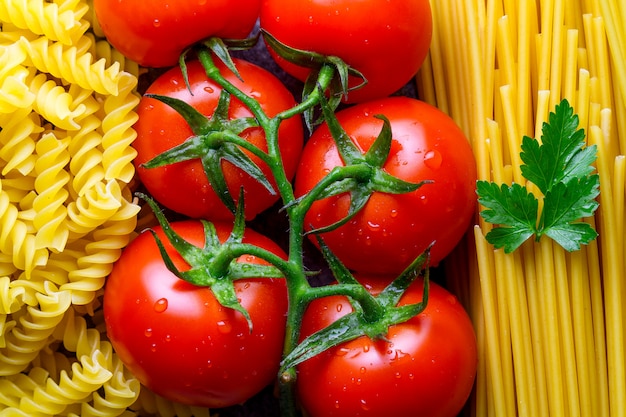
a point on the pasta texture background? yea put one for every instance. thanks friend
(550, 324)
(67, 103)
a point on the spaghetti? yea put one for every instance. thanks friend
(550, 323)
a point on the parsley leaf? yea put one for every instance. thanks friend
(561, 168)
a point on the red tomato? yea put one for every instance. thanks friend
(155, 33)
(386, 40)
(393, 229)
(176, 338)
(183, 187)
(425, 367)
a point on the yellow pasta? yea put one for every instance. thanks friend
(550, 323)
(67, 103)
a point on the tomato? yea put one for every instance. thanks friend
(424, 367)
(183, 186)
(393, 229)
(176, 338)
(386, 40)
(155, 33)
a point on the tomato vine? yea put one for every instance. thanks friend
(361, 176)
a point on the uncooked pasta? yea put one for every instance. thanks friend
(549, 323)
(67, 104)
(67, 107)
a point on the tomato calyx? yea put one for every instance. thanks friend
(338, 88)
(214, 139)
(215, 265)
(363, 173)
(372, 315)
(220, 47)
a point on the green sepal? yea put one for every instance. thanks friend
(308, 59)
(316, 61)
(372, 315)
(215, 139)
(359, 196)
(362, 174)
(206, 263)
(393, 292)
(220, 47)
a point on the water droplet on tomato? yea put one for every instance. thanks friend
(153, 347)
(168, 337)
(209, 365)
(148, 332)
(156, 23)
(393, 214)
(224, 326)
(311, 19)
(209, 89)
(363, 369)
(364, 405)
(398, 375)
(336, 404)
(374, 227)
(339, 308)
(342, 351)
(160, 305)
(433, 159)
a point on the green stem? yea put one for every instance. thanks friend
(324, 79)
(300, 292)
(223, 260)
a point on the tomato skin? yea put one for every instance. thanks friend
(386, 40)
(392, 230)
(425, 369)
(183, 187)
(174, 336)
(154, 34)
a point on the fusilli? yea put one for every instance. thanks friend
(67, 103)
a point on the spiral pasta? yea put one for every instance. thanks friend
(57, 20)
(67, 103)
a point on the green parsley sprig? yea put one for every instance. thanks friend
(561, 168)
